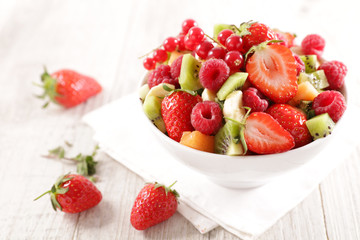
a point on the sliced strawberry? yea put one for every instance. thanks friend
(264, 135)
(272, 69)
(293, 120)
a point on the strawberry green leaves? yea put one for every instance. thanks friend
(85, 164)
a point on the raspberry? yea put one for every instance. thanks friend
(213, 73)
(335, 73)
(313, 44)
(255, 100)
(175, 69)
(206, 117)
(331, 102)
(160, 75)
(300, 65)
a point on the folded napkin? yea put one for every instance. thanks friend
(247, 213)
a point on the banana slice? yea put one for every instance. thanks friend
(233, 106)
(143, 91)
(159, 91)
(208, 95)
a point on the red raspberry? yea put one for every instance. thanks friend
(213, 73)
(255, 100)
(206, 117)
(331, 102)
(300, 65)
(175, 69)
(161, 75)
(313, 44)
(335, 73)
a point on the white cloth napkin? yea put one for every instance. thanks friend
(246, 212)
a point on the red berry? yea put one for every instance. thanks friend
(203, 49)
(68, 88)
(189, 44)
(234, 60)
(196, 35)
(206, 117)
(293, 120)
(155, 203)
(259, 33)
(73, 193)
(176, 68)
(176, 113)
(160, 55)
(170, 44)
(187, 24)
(181, 44)
(331, 102)
(216, 52)
(161, 74)
(234, 43)
(223, 35)
(313, 44)
(213, 73)
(149, 63)
(264, 135)
(272, 70)
(255, 100)
(300, 65)
(335, 73)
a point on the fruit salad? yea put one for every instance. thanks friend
(247, 89)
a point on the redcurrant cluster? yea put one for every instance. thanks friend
(228, 46)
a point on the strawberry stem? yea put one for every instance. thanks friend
(47, 192)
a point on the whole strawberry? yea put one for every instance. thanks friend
(293, 120)
(73, 193)
(259, 33)
(68, 88)
(176, 113)
(154, 204)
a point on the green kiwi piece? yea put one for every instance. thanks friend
(306, 107)
(234, 82)
(311, 63)
(189, 73)
(227, 140)
(152, 109)
(317, 79)
(320, 126)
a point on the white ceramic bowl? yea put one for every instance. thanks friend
(242, 171)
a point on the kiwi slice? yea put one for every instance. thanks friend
(227, 140)
(189, 73)
(152, 109)
(317, 79)
(311, 63)
(306, 107)
(234, 82)
(320, 126)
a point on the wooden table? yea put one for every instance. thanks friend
(104, 39)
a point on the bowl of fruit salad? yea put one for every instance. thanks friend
(244, 106)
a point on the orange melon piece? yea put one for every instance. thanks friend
(174, 55)
(199, 141)
(306, 91)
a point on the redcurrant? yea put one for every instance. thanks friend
(203, 49)
(216, 52)
(187, 24)
(234, 43)
(223, 35)
(170, 44)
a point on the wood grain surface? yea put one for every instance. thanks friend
(104, 39)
